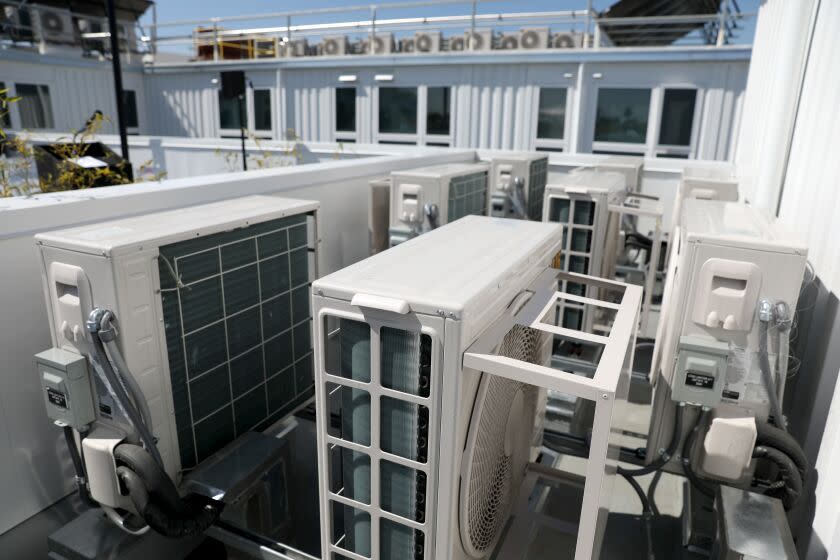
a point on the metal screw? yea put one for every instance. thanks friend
(605, 396)
(451, 314)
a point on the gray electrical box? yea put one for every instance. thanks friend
(701, 370)
(67, 387)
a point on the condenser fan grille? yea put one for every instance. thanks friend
(498, 446)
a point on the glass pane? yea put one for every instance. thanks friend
(438, 116)
(262, 109)
(622, 115)
(6, 119)
(34, 106)
(551, 119)
(345, 109)
(677, 117)
(229, 112)
(130, 108)
(398, 110)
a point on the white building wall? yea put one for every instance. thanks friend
(182, 104)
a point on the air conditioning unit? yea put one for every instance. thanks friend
(631, 167)
(296, 48)
(336, 45)
(211, 305)
(429, 197)
(127, 36)
(92, 25)
(55, 26)
(534, 38)
(17, 22)
(427, 41)
(518, 185)
(508, 42)
(457, 43)
(732, 287)
(591, 233)
(383, 44)
(407, 45)
(566, 40)
(431, 371)
(379, 214)
(478, 40)
(703, 184)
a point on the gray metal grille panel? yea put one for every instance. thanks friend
(538, 177)
(238, 331)
(467, 195)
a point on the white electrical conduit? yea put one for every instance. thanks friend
(119, 521)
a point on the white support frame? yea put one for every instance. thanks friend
(606, 388)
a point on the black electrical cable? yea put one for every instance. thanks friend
(651, 493)
(78, 466)
(771, 436)
(669, 452)
(686, 459)
(788, 471)
(647, 512)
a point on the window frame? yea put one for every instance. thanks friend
(628, 148)
(671, 150)
(134, 130)
(17, 119)
(345, 135)
(421, 137)
(552, 144)
(250, 119)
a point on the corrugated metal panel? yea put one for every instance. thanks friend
(811, 199)
(183, 104)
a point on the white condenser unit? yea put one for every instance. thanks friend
(55, 26)
(591, 233)
(518, 185)
(566, 40)
(508, 42)
(733, 282)
(127, 36)
(704, 184)
(631, 167)
(429, 197)
(87, 25)
(427, 42)
(17, 22)
(212, 315)
(296, 48)
(432, 361)
(478, 40)
(383, 44)
(534, 38)
(334, 45)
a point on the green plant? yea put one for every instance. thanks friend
(264, 158)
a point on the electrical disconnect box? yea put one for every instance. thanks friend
(67, 387)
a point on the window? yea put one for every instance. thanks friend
(438, 115)
(345, 109)
(622, 115)
(34, 106)
(130, 108)
(551, 117)
(677, 117)
(229, 112)
(6, 120)
(262, 109)
(398, 110)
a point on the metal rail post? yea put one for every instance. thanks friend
(472, 26)
(722, 16)
(372, 48)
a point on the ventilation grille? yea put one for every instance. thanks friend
(467, 195)
(498, 445)
(538, 177)
(578, 218)
(237, 331)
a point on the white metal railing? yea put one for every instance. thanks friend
(303, 32)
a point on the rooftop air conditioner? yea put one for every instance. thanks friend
(518, 185)
(732, 288)
(211, 304)
(432, 362)
(56, 26)
(631, 167)
(297, 48)
(566, 40)
(427, 41)
(379, 214)
(87, 25)
(17, 22)
(407, 45)
(429, 197)
(534, 38)
(127, 36)
(457, 43)
(478, 40)
(580, 202)
(508, 42)
(383, 44)
(336, 45)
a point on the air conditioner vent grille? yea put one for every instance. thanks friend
(467, 195)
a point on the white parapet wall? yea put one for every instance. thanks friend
(35, 469)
